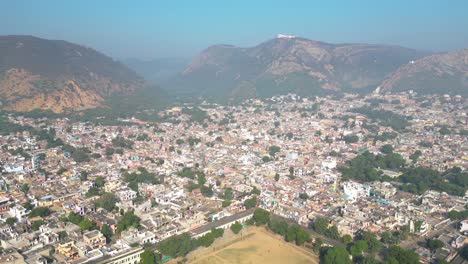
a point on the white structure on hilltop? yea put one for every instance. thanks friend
(281, 36)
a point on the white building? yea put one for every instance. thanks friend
(127, 195)
(464, 226)
(354, 190)
(18, 212)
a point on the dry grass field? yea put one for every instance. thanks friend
(256, 246)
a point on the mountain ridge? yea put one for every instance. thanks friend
(292, 64)
(57, 75)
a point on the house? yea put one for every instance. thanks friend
(224, 223)
(94, 239)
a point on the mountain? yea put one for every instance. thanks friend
(289, 64)
(157, 70)
(59, 76)
(444, 73)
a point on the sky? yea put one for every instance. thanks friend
(175, 28)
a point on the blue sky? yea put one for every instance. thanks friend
(175, 28)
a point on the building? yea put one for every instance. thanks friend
(224, 223)
(131, 256)
(94, 239)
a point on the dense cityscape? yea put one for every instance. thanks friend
(380, 177)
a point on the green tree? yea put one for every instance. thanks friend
(434, 244)
(277, 177)
(320, 225)
(236, 227)
(62, 235)
(250, 203)
(304, 196)
(107, 232)
(358, 248)
(347, 239)
(24, 188)
(39, 211)
(272, 150)
(301, 237)
(401, 256)
(83, 176)
(10, 221)
(261, 216)
(99, 182)
(128, 220)
(336, 255)
(86, 224)
(386, 149)
(373, 243)
(147, 257)
(107, 201)
(74, 218)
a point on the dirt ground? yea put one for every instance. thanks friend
(252, 245)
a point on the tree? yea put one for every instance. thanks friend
(373, 244)
(401, 256)
(147, 257)
(250, 203)
(128, 220)
(386, 149)
(225, 203)
(74, 218)
(36, 224)
(279, 227)
(24, 188)
(10, 221)
(464, 252)
(107, 232)
(109, 151)
(93, 191)
(351, 139)
(83, 176)
(434, 244)
(62, 235)
(332, 232)
(317, 244)
(347, 239)
(206, 191)
(336, 255)
(358, 248)
(301, 237)
(272, 150)
(292, 233)
(291, 172)
(39, 211)
(415, 156)
(107, 201)
(277, 177)
(304, 196)
(320, 225)
(228, 193)
(99, 182)
(236, 227)
(86, 224)
(261, 216)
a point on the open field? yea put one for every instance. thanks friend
(255, 245)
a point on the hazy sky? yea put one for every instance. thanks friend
(173, 28)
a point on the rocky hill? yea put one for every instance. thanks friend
(59, 76)
(444, 73)
(290, 64)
